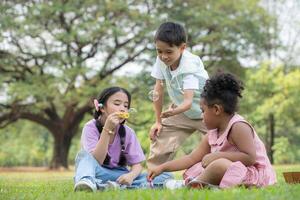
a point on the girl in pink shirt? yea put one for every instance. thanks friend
(231, 153)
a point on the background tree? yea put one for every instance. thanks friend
(225, 34)
(55, 56)
(47, 54)
(287, 27)
(274, 91)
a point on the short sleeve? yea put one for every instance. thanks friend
(156, 72)
(134, 151)
(190, 82)
(89, 138)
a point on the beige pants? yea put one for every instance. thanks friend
(175, 131)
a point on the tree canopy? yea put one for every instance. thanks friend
(57, 55)
(46, 55)
(273, 91)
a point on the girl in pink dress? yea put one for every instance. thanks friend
(231, 153)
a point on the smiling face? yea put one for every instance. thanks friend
(118, 102)
(170, 55)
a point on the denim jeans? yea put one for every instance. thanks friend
(86, 166)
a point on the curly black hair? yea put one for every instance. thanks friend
(223, 89)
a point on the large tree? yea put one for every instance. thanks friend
(56, 55)
(48, 55)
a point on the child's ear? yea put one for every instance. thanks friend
(182, 47)
(218, 109)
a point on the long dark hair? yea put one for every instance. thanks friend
(102, 99)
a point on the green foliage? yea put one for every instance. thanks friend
(61, 40)
(55, 56)
(274, 90)
(282, 153)
(25, 144)
(222, 32)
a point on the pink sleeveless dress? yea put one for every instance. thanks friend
(260, 174)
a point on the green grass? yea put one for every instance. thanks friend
(59, 185)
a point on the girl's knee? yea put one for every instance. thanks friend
(221, 164)
(81, 154)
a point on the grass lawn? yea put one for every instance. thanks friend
(59, 185)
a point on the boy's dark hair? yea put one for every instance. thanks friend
(224, 89)
(103, 97)
(171, 33)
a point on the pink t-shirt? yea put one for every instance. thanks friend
(133, 151)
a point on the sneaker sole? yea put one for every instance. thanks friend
(83, 187)
(195, 186)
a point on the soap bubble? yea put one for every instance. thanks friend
(132, 110)
(153, 95)
(128, 114)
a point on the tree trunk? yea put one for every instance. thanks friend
(272, 136)
(61, 149)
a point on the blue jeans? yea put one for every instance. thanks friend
(86, 166)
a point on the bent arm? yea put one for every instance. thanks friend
(101, 149)
(186, 104)
(241, 135)
(135, 170)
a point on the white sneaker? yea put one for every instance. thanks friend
(174, 184)
(112, 185)
(85, 184)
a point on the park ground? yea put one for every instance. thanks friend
(41, 183)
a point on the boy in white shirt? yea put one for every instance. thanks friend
(184, 76)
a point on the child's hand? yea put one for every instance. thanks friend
(153, 172)
(154, 131)
(170, 112)
(209, 158)
(125, 179)
(111, 122)
(167, 114)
